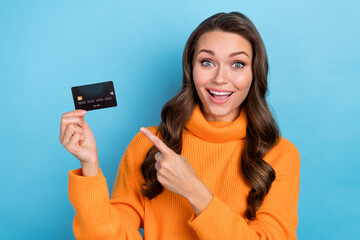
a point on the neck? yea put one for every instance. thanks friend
(217, 131)
(228, 118)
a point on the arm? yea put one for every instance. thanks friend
(97, 216)
(276, 218)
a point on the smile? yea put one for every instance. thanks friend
(219, 97)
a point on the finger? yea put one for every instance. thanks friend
(70, 131)
(65, 121)
(157, 166)
(160, 145)
(82, 139)
(159, 157)
(71, 146)
(78, 113)
(71, 115)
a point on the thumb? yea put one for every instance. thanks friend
(85, 125)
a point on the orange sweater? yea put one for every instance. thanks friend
(213, 149)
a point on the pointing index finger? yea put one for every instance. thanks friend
(160, 145)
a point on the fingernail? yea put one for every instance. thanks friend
(142, 129)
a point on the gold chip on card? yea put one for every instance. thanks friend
(79, 98)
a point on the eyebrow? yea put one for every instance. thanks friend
(231, 55)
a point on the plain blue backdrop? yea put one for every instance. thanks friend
(47, 47)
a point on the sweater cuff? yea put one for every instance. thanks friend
(217, 218)
(82, 188)
(78, 173)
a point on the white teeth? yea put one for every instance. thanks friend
(220, 93)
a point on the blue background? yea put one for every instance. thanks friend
(47, 47)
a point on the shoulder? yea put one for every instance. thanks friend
(138, 147)
(284, 157)
(135, 154)
(140, 143)
(140, 138)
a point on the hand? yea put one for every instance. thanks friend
(77, 137)
(176, 174)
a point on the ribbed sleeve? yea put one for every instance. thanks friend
(276, 218)
(217, 221)
(98, 217)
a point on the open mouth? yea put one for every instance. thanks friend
(219, 95)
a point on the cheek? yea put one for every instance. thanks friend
(197, 81)
(199, 78)
(195, 76)
(243, 82)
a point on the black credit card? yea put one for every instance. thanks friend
(94, 96)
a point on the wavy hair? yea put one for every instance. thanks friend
(262, 131)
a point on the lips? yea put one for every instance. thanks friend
(219, 96)
(219, 93)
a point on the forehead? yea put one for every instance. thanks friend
(223, 42)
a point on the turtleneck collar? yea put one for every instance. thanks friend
(217, 131)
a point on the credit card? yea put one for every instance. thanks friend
(94, 96)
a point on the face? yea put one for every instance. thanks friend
(222, 74)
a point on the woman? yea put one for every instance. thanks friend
(215, 168)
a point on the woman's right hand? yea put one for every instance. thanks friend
(79, 141)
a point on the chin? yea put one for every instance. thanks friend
(219, 111)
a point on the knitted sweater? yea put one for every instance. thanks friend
(213, 149)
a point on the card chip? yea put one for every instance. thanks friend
(79, 98)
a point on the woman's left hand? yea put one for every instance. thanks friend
(176, 174)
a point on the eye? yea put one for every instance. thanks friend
(238, 64)
(207, 63)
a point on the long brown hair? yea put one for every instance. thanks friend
(262, 132)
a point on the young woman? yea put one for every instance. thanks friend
(215, 168)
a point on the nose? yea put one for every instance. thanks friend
(220, 76)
